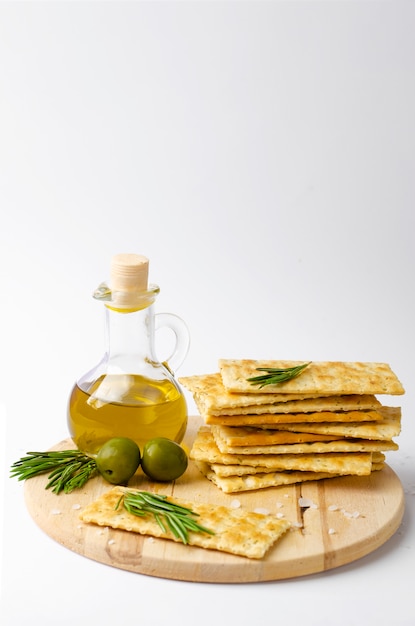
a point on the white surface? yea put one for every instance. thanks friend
(261, 154)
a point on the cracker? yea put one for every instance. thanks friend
(237, 532)
(355, 463)
(323, 378)
(234, 436)
(212, 398)
(378, 457)
(238, 470)
(385, 429)
(376, 467)
(236, 484)
(341, 445)
(294, 418)
(212, 385)
(378, 461)
(205, 450)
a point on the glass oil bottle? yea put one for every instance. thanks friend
(129, 393)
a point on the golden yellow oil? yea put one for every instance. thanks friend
(126, 405)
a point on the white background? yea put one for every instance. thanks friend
(261, 154)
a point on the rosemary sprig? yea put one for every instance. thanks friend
(69, 469)
(275, 375)
(180, 520)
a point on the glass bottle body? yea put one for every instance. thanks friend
(129, 393)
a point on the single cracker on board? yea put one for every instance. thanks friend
(323, 378)
(239, 532)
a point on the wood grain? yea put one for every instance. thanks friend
(350, 518)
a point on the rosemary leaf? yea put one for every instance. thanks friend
(180, 520)
(78, 480)
(275, 375)
(160, 522)
(67, 469)
(178, 529)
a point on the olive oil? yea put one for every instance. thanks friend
(126, 405)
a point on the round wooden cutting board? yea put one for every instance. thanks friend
(347, 518)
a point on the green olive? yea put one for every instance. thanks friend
(163, 459)
(118, 460)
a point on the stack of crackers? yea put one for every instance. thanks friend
(324, 423)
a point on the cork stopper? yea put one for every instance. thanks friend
(129, 272)
(129, 277)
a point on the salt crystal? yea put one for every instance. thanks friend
(235, 504)
(55, 512)
(280, 515)
(261, 511)
(279, 505)
(333, 507)
(76, 507)
(110, 542)
(350, 515)
(332, 531)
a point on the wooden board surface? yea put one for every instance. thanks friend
(350, 517)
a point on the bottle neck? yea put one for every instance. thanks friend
(129, 339)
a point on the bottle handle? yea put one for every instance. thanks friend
(182, 335)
